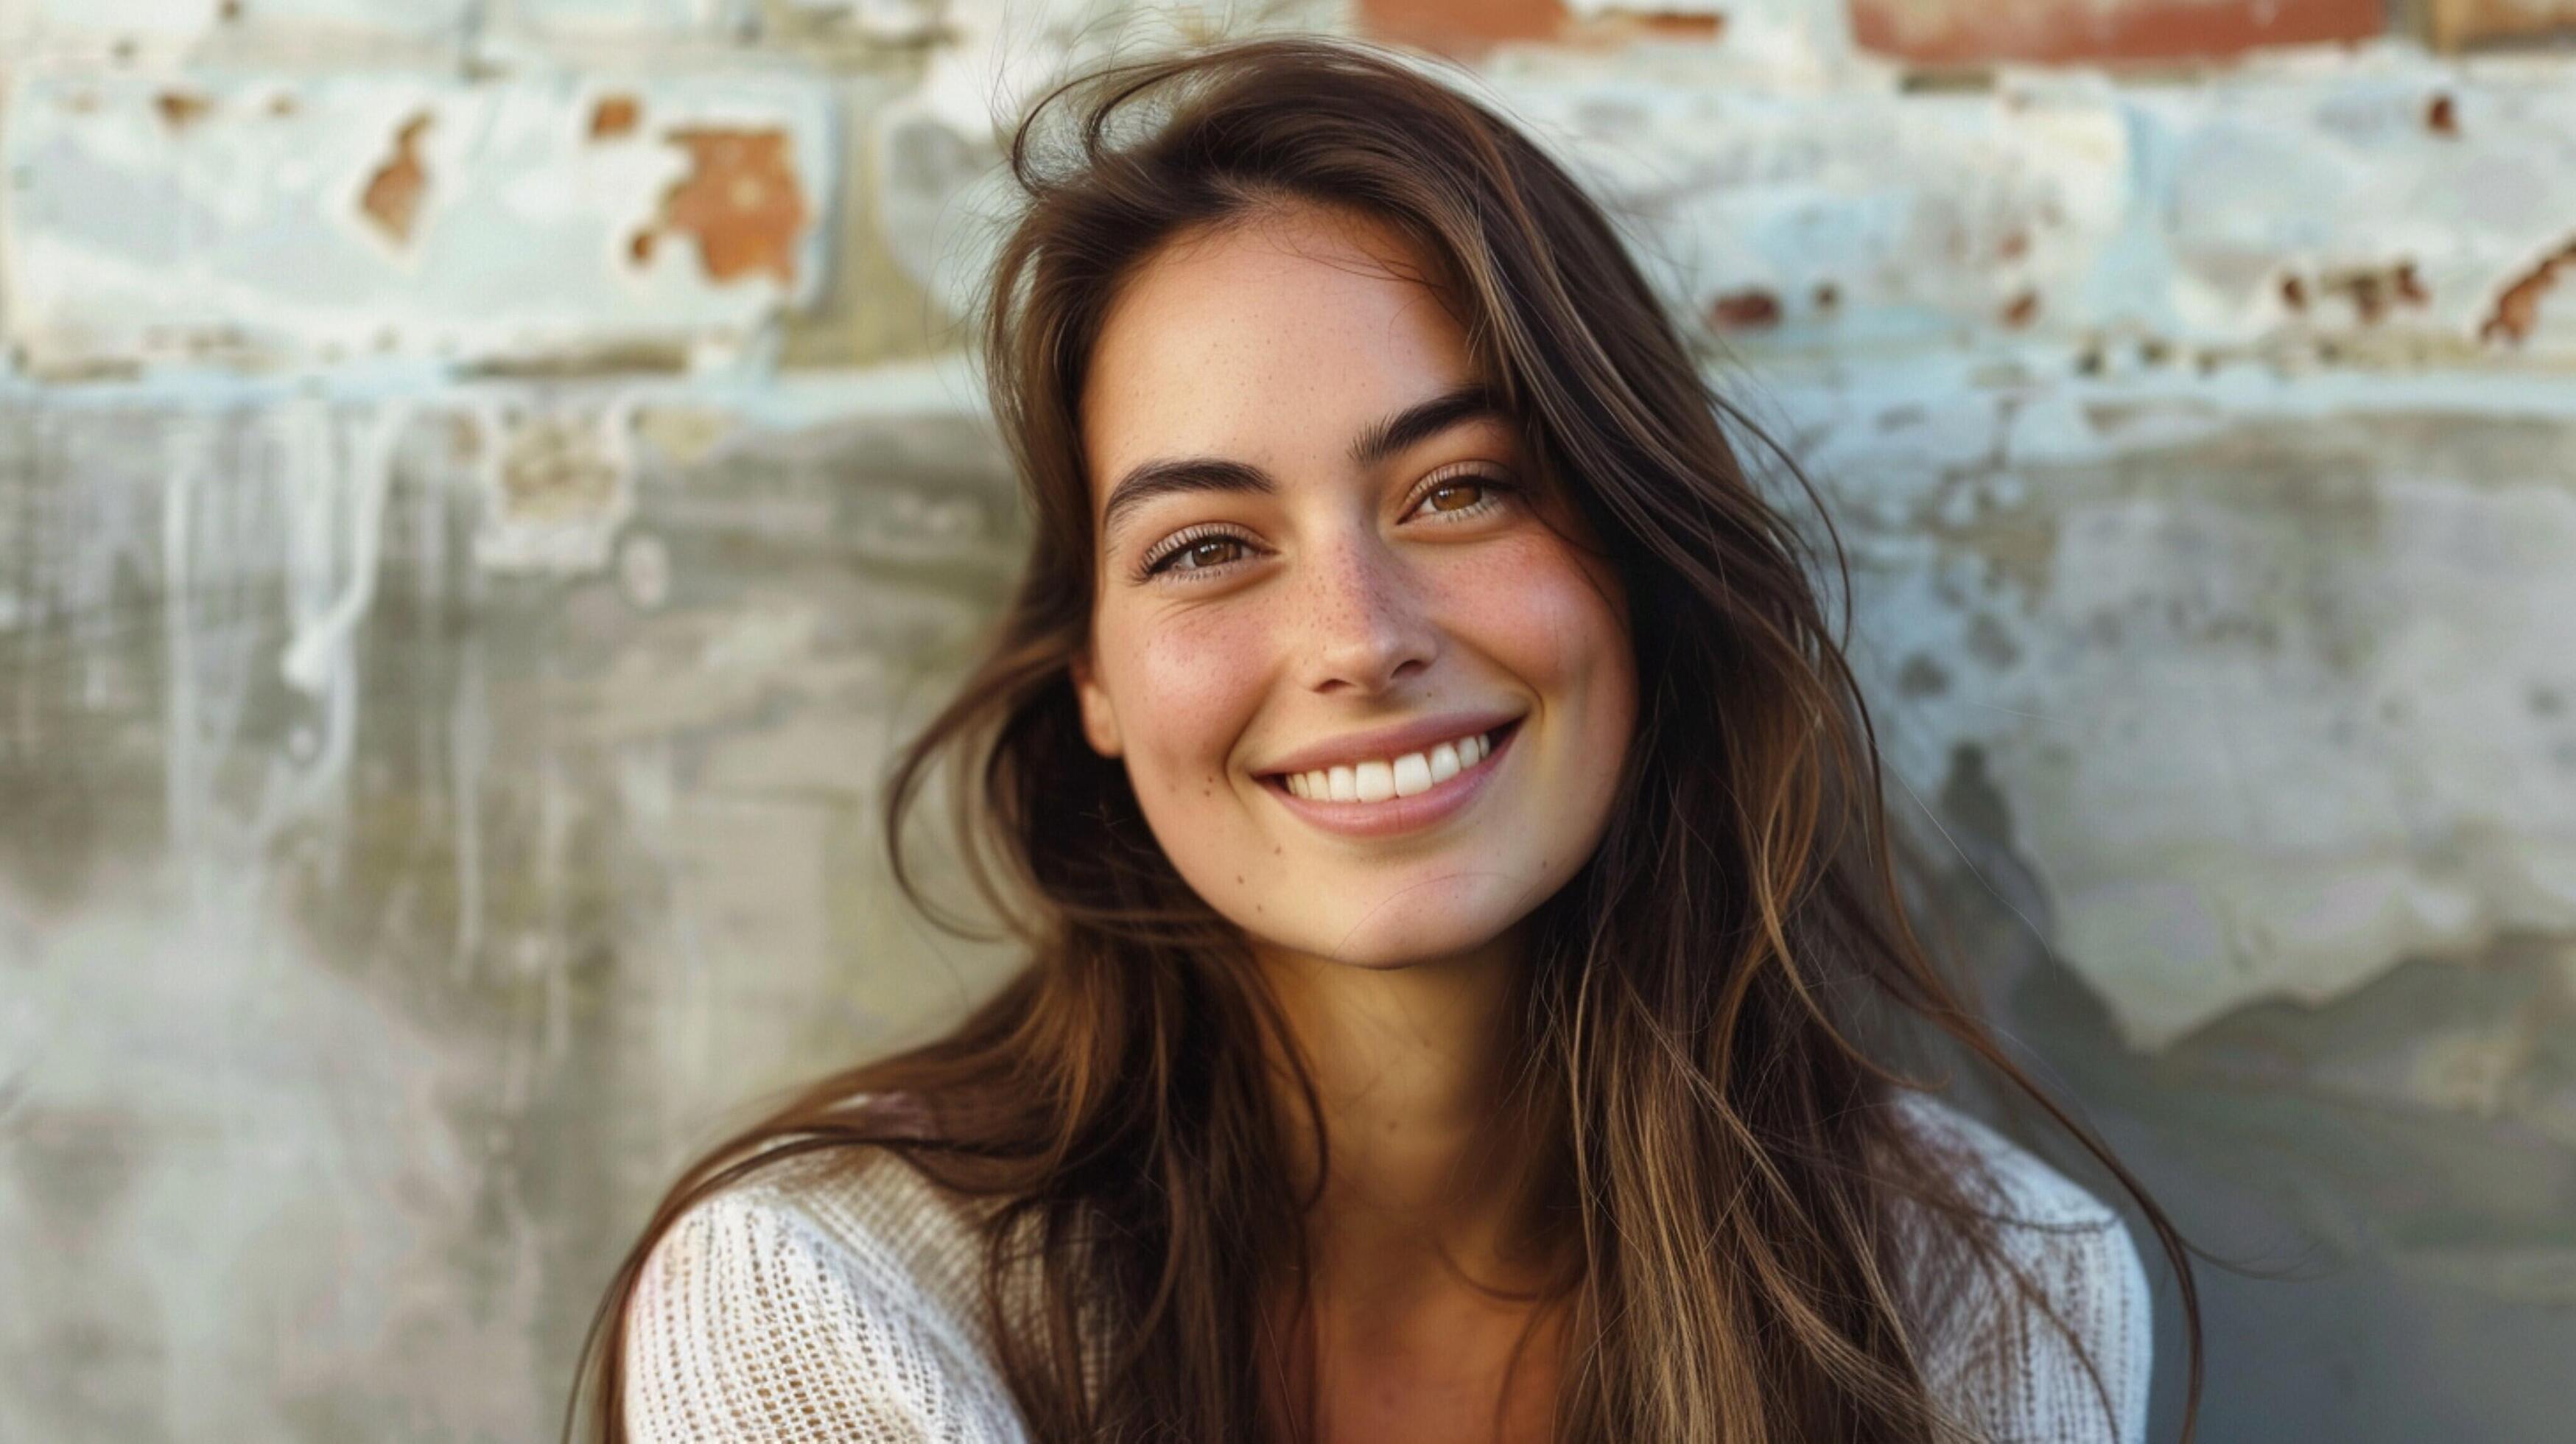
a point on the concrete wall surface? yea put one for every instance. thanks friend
(483, 486)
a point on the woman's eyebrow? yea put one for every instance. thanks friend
(1424, 420)
(1416, 423)
(1148, 480)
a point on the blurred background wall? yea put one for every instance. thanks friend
(483, 483)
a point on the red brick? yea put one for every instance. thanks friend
(613, 116)
(2458, 24)
(2517, 310)
(1968, 32)
(1454, 26)
(1753, 310)
(392, 198)
(1467, 28)
(741, 200)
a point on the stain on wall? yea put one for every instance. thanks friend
(358, 996)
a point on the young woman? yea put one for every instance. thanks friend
(1465, 943)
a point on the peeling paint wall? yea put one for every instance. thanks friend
(483, 486)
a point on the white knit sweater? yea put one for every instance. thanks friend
(839, 1303)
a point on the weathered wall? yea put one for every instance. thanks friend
(482, 484)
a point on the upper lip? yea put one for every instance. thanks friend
(1391, 741)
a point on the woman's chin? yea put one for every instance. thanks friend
(1439, 921)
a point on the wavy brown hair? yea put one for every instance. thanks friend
(1709, 1004)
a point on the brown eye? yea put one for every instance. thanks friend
(1214, 551)
(1456, 495)
(1461, 497)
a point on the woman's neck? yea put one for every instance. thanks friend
(1430, 1162)
(1426, 1256)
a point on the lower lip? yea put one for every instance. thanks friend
(1400, 814)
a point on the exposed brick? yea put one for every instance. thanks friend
(740, 202)
(2458, 24)
(392, 198)
(614, 116)
(1961, 32)
(405, 215)
(1747, 310)
(1462, 25)
(2517, 309)
(1468, 27)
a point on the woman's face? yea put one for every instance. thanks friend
(1327, 580)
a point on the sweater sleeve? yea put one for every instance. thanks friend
(751, 1322)
(1994, 1354)
(2027, 1381)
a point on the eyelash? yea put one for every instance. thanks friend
(1154, 563)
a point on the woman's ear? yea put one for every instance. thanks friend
(1099, 719)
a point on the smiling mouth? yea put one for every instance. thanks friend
(1378, 781)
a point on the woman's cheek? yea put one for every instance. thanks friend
(1196, 685)
(1529, 602)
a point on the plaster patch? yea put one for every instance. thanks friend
(557, 485)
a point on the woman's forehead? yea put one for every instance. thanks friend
(1272, 336)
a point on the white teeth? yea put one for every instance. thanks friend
(1379, 779)
(1412, 774)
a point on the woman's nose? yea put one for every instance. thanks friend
(1366, 623)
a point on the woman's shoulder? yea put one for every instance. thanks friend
(2009, 1178)
(2018, 1349)
(832, 1295)
(866, 1209)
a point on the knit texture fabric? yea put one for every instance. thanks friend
(819, 1301)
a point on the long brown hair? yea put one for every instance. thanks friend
(1708, 999)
